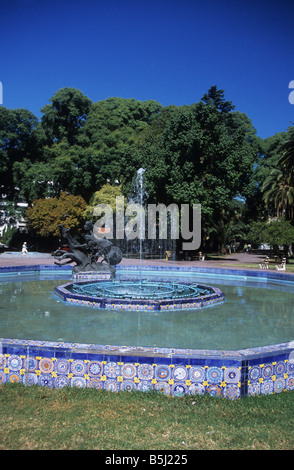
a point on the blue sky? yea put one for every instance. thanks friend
(170, 51)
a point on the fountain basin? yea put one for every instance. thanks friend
(139, 295)
(230, 373)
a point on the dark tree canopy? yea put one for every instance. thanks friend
(63, 118)
(206, 153)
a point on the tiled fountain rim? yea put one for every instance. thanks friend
(268, 274)
(134, 351)
(193, 301)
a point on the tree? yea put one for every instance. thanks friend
(279, 232)
(82, 151)
(111, 131)
(229, 228)
(203, 153)
(275, 174)
(46, 214)
(64, 117)
(278, 194)
(255, 234)
(216, 98)
(287, 158)
(20, 139)
(33, 180)
(106, 195)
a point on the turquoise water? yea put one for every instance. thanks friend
(255, 313)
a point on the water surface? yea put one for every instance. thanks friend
(255, 313)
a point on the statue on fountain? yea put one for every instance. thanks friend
(95, 256)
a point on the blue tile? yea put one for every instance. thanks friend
(145, 360)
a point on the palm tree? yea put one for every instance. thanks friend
(287, 158)
(278, 193)
(278, 186)
(228, 228)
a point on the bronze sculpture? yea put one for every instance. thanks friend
(96, 255)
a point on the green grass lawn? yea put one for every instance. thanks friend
(253, 264)
(39, 418)
(289, 269)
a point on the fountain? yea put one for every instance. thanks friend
(232, 349)
(125, 294)
(140, 174)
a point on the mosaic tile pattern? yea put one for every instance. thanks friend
(172, 372)
(91, 276)
(109, 373)
(270, 377)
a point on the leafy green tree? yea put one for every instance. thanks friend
(279, 232)
(215, 98)
(203, 153)
(20, 139)
(33, 179)
(274, 150)
(111, 131)
(106, 195)
(63, 168)
(64, 117)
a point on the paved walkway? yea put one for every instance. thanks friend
(229, 261)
